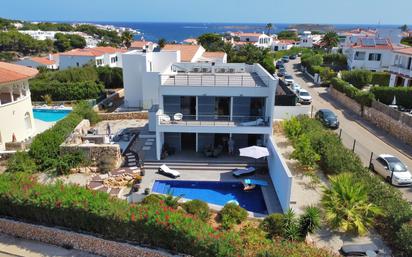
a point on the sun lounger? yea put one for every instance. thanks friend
(168, 171)
(244, 172)
(258, 182)
(257, 122)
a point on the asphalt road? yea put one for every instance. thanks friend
(368, 137)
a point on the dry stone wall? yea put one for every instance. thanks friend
(124, 116)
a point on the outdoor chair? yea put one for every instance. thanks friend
(178, 117)
(165, 118)
(248, 171)
(168, 171)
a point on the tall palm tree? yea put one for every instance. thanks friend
(162, 42)
(269, 27)
(330, 40)
(127, 38)
(346, 205)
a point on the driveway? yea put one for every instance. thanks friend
(368, 137)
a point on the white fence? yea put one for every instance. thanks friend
(280, 175)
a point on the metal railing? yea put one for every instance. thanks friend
(235, 80)
(214, 120)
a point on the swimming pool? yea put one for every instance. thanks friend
(50, 115)
(218, 193)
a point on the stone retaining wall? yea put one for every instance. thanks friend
(94, 152)
(76, 241)
(124, 116)
(396, 128)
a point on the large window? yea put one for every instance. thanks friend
(360, 56)
(375, 57)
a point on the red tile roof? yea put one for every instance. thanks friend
(361, 44)
(406, 50)
(287, 41)
(139, 44)
(43, 60)
(96, 51)
(214, 54)
(13, 72)
(187, 52)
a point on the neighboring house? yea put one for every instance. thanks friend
(190, 41)
(214, 57)
(100, 56)
(258, 39)
(283, 44)
(401, 68)
(43, 35)
(16, 113)
(49, 62)
(142, 45)
(193, 106)
(188, 53)
(372, 54)
(306, 39)
(348, 38)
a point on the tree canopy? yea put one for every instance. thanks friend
(211, 42)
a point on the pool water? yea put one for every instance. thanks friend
(218, 193)
(50, 115)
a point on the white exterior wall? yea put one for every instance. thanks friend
(306, 40)
(12, 117)
(382, 65)
(32, 64)
(67, 61)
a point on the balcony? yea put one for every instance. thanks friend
(216, 80)
(400, 70)
(213, 120)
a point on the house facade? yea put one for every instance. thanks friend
(50, 62)
(200, 105)
(15, 103)
(100, 56)
(401, 68)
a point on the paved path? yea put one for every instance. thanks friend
(369, 137)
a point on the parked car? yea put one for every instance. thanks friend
(281, 72)
(304, 97)
(360, 250)
(328, 118)
(288, 79)
(292, 57)
(295, 88)
(279, 64)
(392, 169)
(285, 59)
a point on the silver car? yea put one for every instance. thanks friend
(392, 169)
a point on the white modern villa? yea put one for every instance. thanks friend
(199, 105)
(401, 68)
(16, 116)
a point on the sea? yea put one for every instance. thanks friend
(179, 31)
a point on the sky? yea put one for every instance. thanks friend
(241, 11)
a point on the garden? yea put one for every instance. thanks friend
(356, 201)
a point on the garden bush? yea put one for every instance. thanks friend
(198, 208)
(358, 78)
(362, 97)
(110, 77)
(381, 78)
(273, 224)
(232, 214)
(21, 162)
(404, 241)
(311, 59)
(386, 94)
(82, 210)
(304, 152)
(309, 221)
(152, 199)
(335, 61)
(65, 91)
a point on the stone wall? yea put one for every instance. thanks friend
(94, 151)
(397, 128)
(76, 241)
(143, 115)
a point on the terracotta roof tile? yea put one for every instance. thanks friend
(139, 44)
(250, 34)
(187, 52)
(43, 60)
(96, 51)
(406, 50)
(13, 72)
(214, 54)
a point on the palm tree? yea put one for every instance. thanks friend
(269, 27)
(346, 205)
(161, 43)
(330, 40)
(404, 28)
(309, 222)
(127, 38)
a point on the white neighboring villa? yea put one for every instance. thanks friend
(194, 105)
(50, 62)
(16, 115)
(43, 35)
(100, 56)
(401, 68)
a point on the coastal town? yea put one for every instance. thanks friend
(245, 142)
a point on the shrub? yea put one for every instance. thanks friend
(311, 59)
(65, 91)
(363, 98)
(335, 60)
(304, 152)
(386, 95)
(292, 128)
(83, 109)
(290, 226)
(232, 214)
(152, 199)
(198, 208)
(21, 162)
(347, 205)
(358, 78)
(337, 159)
(69, 161)
(404, 239)
(309, 222)
(106, 163)
(273, 224)
(110, 77)
(381, 78)
(82, 210)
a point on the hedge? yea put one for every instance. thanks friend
(362, 97)
(358, 78)
(94, 212)
(65, 91)
(335, 158)
(386, 95)
(381, 78)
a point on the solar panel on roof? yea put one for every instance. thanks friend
(368, 42)
(381, 41)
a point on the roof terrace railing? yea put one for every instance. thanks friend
(214, 120)
(235, 80)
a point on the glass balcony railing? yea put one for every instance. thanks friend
(213, 120)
